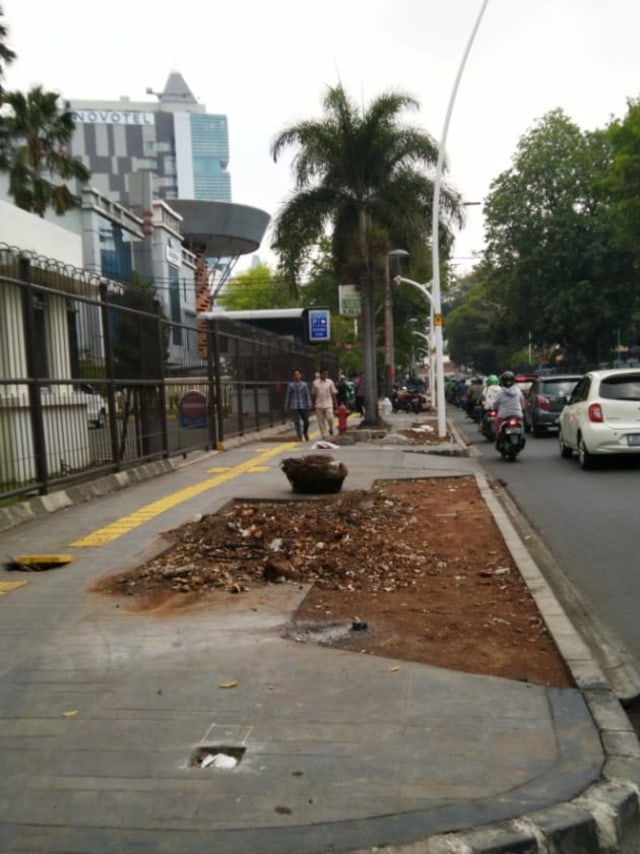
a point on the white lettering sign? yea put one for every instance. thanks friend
(112, 117)
(350, 300)
(174, 257)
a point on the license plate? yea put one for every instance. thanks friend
(633, 438)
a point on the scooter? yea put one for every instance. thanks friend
(511, 438)
(488, 425)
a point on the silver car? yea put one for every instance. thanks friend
(602, 416)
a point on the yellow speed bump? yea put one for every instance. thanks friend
(38, 563)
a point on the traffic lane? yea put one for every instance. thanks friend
(587, 520)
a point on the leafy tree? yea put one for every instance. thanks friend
(550, 251)
(34, 135)
(256, 288)
(624, 180)
(473, 324)
(360, 178)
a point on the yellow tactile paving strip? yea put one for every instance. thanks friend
(8, 586)
(222, 475)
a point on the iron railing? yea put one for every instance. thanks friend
(86, 387)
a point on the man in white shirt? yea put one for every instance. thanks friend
(324, 395)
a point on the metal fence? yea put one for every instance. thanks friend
(87, 386)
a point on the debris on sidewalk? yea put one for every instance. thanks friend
(420, 561)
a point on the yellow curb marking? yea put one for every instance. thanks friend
(122, 526)
(43, 560)
(8, 586)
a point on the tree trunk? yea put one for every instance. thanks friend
(371, 417)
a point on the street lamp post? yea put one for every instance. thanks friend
(429, 355)
(434, 374)
(435, 236)
(389, 345)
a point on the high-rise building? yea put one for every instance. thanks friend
(184, 148)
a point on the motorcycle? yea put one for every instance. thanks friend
(488, 425)
(511, 438)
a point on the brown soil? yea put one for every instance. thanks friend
(420, 562)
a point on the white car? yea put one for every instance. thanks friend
(602, 416)
(96, 405)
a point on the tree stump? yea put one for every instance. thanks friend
(314, 473)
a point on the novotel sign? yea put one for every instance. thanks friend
(113, 117)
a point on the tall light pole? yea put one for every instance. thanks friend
(389, 345)
(433, 380)
(435, 249)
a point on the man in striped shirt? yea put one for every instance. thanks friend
(298, 402)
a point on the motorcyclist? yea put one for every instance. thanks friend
(509, 402)
(474, 399)
(491, 389)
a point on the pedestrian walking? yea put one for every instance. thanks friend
(298, 401)
(325, 401)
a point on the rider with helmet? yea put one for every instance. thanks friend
(509, 402)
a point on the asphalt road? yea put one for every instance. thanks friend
(588, 520)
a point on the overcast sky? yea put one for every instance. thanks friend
(267, 65)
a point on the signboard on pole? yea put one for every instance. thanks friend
(350, 300)
(192, 408)
(319, 325)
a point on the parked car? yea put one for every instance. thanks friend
(524, 383)
(545, 400)
(96, 404)
(602, 416)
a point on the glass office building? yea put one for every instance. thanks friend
(185, 149)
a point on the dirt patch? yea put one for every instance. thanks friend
(420, 565)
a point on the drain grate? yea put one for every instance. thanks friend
(216, 756)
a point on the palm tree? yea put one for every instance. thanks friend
(35, 133)
(361, 176)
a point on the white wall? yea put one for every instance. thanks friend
(28, 231)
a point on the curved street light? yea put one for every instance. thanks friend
(435, 249)
(389, 344)
(433, 380)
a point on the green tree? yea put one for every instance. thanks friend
(475, 327)
(623, 184)
(34, 135)
(361, 177)
(551, 258)
(623, 189)
(256, 288)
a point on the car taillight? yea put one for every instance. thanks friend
(595, 413)
(543, 402)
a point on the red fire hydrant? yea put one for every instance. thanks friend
(342, 413)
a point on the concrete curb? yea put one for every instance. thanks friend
(35, 508)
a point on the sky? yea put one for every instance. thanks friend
(268, 65)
